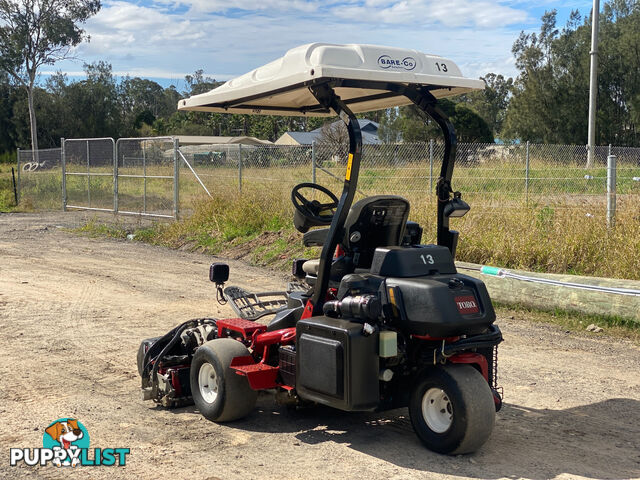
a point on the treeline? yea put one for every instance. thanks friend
(549, 99)
(104, 106)
(546, 103)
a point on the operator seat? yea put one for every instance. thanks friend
(377, 221)
(372, 222)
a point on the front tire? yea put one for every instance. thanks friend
(219, 393)
(452, 409)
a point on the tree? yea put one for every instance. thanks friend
(416, 126)
(492, 102)
(198, 83)
(333, 142)
(389, 129)
(551, 93)
(34, 33)
(7, 128)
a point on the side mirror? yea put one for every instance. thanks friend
(456, 207)
(219, 273)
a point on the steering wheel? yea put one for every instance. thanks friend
(314, 211)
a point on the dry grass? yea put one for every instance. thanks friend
(553, 240)
(257, 227)
(540, 238)
(7, 199)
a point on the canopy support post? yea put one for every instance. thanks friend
(426, 102)
(326, 96)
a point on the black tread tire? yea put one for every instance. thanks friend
(473, 409)
(235, 399)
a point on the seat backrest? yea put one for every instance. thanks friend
(372, 222)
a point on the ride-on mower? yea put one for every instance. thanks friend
(379, 321)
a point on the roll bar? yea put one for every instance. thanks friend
(425, 101)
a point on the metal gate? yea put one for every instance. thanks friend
(133, 176)
(87, 174)
(146, 177)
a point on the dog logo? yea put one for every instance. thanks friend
(65, 443)
(66, 435)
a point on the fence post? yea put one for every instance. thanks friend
(313, 162)
(609, 153)
(431, 165)
(88, 177)
(144, 180)
(115, 176)
(64, 175)
(18, 165)
(240, 167)
(611, 191)
(15, 187)
(176, 179)
(526, 175)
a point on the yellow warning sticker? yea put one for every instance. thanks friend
(392, 299)
(349, 161)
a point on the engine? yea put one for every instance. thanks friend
(164, 362)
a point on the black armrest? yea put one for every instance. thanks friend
(315, 238)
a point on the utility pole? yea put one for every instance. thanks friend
(593, 82)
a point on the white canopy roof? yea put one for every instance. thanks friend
(282, 86)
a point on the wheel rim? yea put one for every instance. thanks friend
(437, 410)
(208, 383)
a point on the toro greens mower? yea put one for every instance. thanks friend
(379, 321)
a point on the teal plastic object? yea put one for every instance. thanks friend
(491, 271)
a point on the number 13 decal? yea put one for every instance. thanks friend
(442, 67)
(427, 259)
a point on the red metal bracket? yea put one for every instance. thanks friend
(260, 375)
(308, 310)
(240, 325)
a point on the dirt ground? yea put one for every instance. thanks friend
(73, 311)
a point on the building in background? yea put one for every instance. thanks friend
(368, 128)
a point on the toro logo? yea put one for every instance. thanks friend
(466, 304)
(386, 62)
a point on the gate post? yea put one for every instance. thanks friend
(176, 179)
(88, 176)
(18, 165)
(64, 175)
(115, 176)
(144, 180)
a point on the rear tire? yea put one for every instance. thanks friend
(452, 409)
(219, 393)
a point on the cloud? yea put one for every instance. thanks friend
(454, 13)
(166, 38)
(222, 6)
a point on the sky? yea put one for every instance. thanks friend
(165, 40)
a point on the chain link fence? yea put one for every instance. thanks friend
(39, 181)
(146, 177)
(88, 173)
(490, 176)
